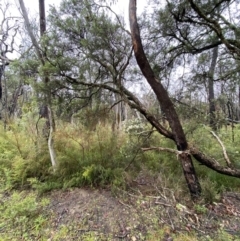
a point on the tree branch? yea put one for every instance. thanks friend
(30, 32)
(229, 164)
(215, 26)
(201, 158)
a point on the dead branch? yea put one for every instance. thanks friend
(165, 149)
(164, 204)
(124, 204)
(207, 161)
(229, 164)
(172, 225)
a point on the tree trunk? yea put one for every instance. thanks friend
(211, 97)
(42, 17)
(165, 103)
(50, 119)
(29, 29)
(42, 56)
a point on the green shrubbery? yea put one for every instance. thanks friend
(92, 158)
(212, 182)
(22, 216)
(96, 158)
(103, 157)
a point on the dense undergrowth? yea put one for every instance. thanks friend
(102, 157)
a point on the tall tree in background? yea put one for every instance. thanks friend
(8, 31)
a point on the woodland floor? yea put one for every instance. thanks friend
(138, 214)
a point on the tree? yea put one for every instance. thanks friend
(94, 60)
(95, 48)
(177, 134)
(8, 31)
(165, 103)
(188, 40)
(211, 96)
(41, 54)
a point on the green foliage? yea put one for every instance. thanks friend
(204, 140)
(200, 209)
(90, 157)
(23, 154)
(22, 212)
(102, 157)
(95, 158)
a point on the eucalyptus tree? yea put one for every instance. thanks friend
(41, 55)
(94, 52)
(205, 20)
(190, 32)
(177, 133)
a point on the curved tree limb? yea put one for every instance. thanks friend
(213, 163)
(130, 99)
(229, 164)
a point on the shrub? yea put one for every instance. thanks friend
(22, 212)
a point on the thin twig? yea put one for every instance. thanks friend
(173, 228)
(164, 204)
(229, 164)
(162, 149)
(124, 204)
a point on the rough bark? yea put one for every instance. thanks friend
(165, 103)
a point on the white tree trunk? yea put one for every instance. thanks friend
(51, 140)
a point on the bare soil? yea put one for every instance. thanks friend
(134, 215)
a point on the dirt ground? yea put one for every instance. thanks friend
(134, 215)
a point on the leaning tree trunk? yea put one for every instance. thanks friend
(165, 103)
